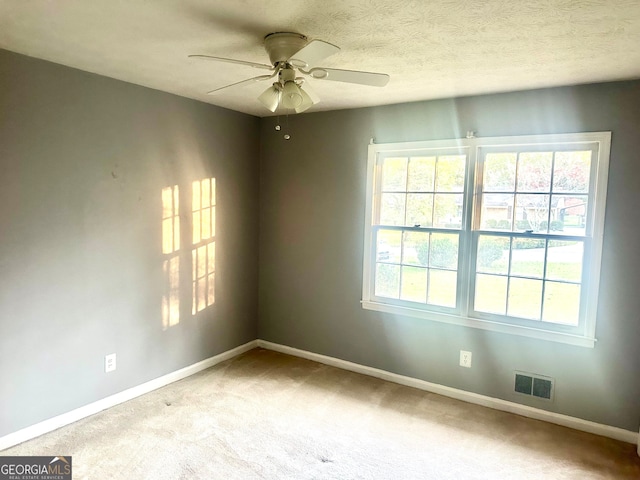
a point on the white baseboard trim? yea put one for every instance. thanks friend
(78, 414)
(113, 400)
(495, 403)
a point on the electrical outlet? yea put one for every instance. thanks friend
(110, 363)
(465, 359)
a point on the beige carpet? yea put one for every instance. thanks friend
(264, 415)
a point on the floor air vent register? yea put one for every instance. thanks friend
(534, 385)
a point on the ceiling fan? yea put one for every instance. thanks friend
(293, 56)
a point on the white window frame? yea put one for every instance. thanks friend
(584, 334)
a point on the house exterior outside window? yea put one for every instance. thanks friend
(501, 233)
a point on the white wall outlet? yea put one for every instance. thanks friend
(110, 363)
(465, 359)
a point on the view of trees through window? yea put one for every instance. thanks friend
(536, 192)
(514, 247)
(420, 193)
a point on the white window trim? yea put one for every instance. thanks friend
(473, 145)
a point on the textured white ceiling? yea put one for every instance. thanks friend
(431, 49)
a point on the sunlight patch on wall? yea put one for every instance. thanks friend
(203, 210)
(170, 219)
(204, 258)
(171, 298)
(171, 262)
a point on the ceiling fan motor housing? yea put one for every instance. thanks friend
(282, 45)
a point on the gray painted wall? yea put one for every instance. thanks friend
(311, 235)
(83, 160)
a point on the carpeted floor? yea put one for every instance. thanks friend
(264, 415)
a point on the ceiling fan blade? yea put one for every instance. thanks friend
(233, 60)
(350, 76)
(312, 53)
(242, 82)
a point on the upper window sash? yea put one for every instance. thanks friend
(421, 188)
(547, 188)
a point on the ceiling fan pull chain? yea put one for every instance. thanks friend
(286, 135)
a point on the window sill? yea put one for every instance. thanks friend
(577, 340)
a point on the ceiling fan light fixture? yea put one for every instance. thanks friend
(307, 101)
(291, 95)
(270, 98)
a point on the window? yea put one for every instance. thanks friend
(501, 233)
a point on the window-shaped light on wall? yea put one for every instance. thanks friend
(170, 219)
(171, 262)
(203, 208)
